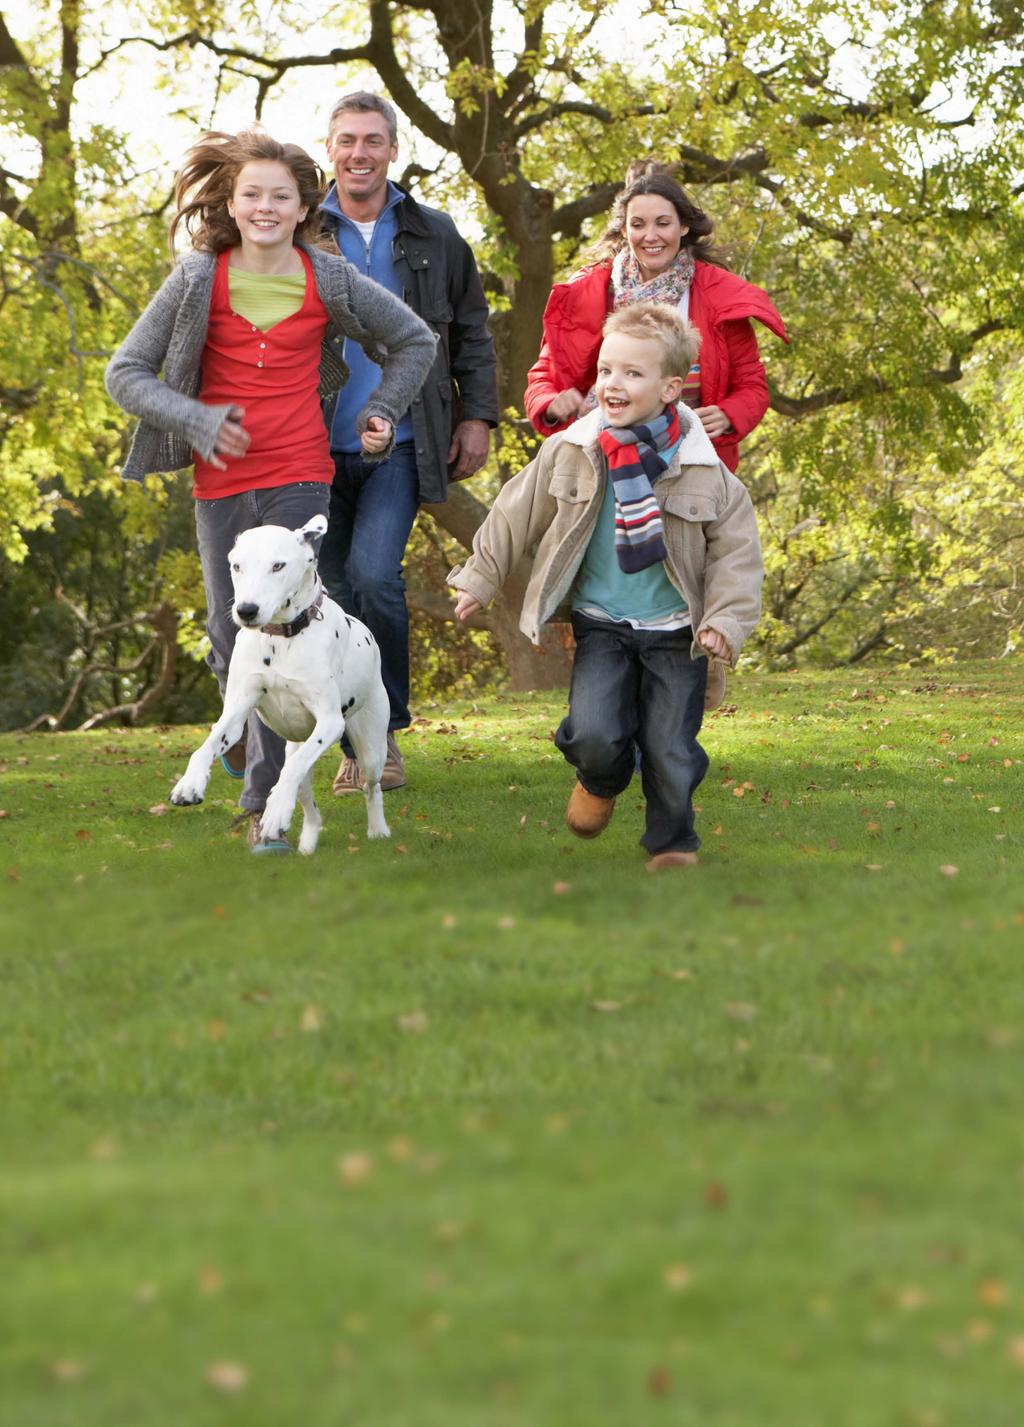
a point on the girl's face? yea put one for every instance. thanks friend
(266, 205)
(654, 233)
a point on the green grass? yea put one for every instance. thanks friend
(488, 1126)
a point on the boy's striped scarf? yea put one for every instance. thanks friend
(634, 464)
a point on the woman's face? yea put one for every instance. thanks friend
(266, 204)
(654, 233)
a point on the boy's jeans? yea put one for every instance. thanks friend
(373, 506)
(638, 686)
(218, 525)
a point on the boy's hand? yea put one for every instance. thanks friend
(566, 406)
(231, 440)
(714, 643)
(713, 419)
(377, 436)
(466, 605)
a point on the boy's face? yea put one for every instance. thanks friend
(631, 385)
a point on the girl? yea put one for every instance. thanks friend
(248, 332)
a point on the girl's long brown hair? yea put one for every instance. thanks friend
(647, 176)
(206, 181)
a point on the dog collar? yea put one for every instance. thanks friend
(299, 623)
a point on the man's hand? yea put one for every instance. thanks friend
(714, 643)
(471, 441)
(377, 436)
(566, 406)
(713, 419)
(466, 605)
(231, 440)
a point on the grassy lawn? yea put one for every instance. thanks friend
(486, 1126)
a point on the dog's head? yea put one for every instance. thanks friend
(272, 570)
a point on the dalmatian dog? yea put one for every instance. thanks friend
(308, 669)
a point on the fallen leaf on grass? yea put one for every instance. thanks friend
(311, 1018)
(1015, 1351)
(449, 920)
(740, 1010)
(716, 1196)
(4, 814)
(992, 1292)
(948, 870)
(400, 847)
(677, 1277)
(560, 889)
(13, 875)
(106, 1147)
(606, 1005)
(217, 1029)
(505, 924)
(872, 867)
(67, 1370)
(659, 1382)
(158, 809)
(355, 1168)
(83, 834)
(210, 1280)
(910, 1299)
(227, 1377)
(413, 1023)
(147, 1293)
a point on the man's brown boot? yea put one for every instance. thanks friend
(588, 815)
(663, 861)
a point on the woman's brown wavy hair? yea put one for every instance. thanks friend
(206, 181)
(647, 176)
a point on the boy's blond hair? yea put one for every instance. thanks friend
(658, 322)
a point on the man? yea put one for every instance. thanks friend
(418, 254)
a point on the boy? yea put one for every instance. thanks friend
(654, 543)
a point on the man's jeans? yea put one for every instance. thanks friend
(218, 525)
(373, 506)
(638, 688)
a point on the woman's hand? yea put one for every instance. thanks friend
(377, 436)
(466, 606)
(231, 440)
(713, 419)
(566, 406)
(714, 643)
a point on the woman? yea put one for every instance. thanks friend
(657, 249)
(248, 331)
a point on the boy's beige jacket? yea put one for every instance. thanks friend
(714, 555)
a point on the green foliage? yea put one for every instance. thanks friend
(862, 163)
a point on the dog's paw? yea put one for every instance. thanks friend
(185, 794)
(277, 817)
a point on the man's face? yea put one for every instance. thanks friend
(360, 149)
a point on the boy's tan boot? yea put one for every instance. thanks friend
(663, 861)
(588, 815)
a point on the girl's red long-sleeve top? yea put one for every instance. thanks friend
(721, 306)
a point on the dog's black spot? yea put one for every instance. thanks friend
(267, 661)
(337, 635)
(348, 704)
(273, 650)
(319, 740)
(348, 621)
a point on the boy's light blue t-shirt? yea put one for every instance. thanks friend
(646, 597)
(376, 261)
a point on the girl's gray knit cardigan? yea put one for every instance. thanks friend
(171, 334)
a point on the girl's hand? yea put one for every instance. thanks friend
(714, 643)
(713, 419)
(466, 605)
(377, 436)
(566, 406)
(231, 440)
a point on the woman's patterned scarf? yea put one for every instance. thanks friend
(634, 464)
(628, 285)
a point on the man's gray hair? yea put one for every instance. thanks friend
(363, 102)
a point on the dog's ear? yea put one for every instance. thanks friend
(313, 531)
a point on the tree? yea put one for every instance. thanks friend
(864, 164)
